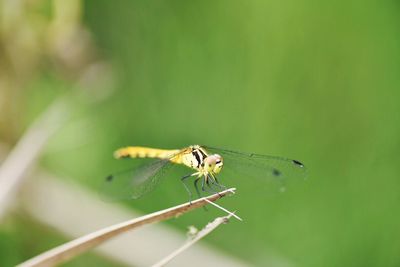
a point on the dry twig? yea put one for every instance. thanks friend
(75, 247)
(205, 231)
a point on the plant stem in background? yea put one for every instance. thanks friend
(28, 148)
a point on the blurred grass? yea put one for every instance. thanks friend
(308, 80)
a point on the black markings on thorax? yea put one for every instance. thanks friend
(197, 156)
(200, 156)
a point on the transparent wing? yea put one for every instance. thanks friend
(269, 172)
(136, 181)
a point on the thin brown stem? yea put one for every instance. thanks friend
(205, 231)
(75, 247)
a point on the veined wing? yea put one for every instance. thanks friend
(273, 172)
(136, 181)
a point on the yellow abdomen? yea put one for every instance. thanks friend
(173, 155)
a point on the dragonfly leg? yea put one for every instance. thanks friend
(198, 191)
(197, 188)
(205, 189)
(183, 179)
(209, 188)
(215, 182)
(204, 183)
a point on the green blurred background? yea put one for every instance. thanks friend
(314, 81)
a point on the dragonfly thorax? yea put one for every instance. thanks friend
(198, 159)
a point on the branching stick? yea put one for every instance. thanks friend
(75, 247)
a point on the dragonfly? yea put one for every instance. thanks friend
(206, 164)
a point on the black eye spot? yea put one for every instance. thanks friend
(109, 178)
(276, 172)
(298, 163)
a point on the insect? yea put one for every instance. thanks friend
(206, 163)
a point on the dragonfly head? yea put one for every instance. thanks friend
(213, 163)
